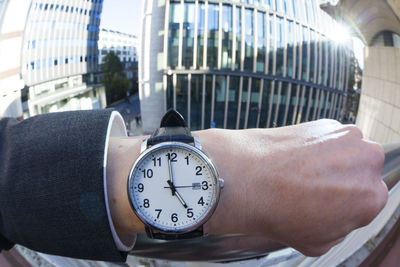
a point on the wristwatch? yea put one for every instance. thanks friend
(173, 186)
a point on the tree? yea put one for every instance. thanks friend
(114, 79)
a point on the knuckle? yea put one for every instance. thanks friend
(376, 202)
(329, 122)
(375, 155)
(354, 130)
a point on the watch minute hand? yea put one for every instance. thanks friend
(171, 178)
(177, 194)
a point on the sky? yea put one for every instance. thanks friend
(122, 15)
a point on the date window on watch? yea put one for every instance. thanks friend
(196, 186)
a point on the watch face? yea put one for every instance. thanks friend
(173, 187)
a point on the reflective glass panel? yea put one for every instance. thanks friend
(313, 55)
(188, 35)
(280, 46)
(290, 47)
(175, 15)
(200, 35)
(304, 55)
(196, 101)
(249, 40)
(313, 103)
(219, 105)
(207, 104)
(298, 50)
(304, 103)
(212, 35)
(271, 44)
(233, 99)
(282, 103)
(238, 37)
(182, 95)
(324, 59)
(243, 99)
(227, 36)
(261, 40)
(253, 108)
(265, 103)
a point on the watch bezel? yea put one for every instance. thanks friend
(209, 163)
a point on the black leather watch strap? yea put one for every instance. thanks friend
(193, 234)
(172, 128)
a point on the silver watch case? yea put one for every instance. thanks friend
(196, 149)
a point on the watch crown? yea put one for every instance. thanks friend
(221, 182)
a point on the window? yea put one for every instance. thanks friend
(227, 36)
(261, 40)
(243, 99)
(249, 40)
(188, 35)
(233, 100)
(182, 94)
(271, 48)
(304, 53)
(200, 35)
(253, 107)
(173, 33)
(238, 41)
(196, 101)
(280, 46)
(219, 106)
(313, 55)
(212, 34)
(290, 47)
(265, 103)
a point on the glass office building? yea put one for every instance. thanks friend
(251, 63)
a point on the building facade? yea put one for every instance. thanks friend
(377, 24)
(57, 54)
(12, 24)
(241, 64)
(124, 45)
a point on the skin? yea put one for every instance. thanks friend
(306, 186)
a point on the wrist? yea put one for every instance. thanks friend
(122, 153)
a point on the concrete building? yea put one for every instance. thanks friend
(124, 45)
(12, 24)
(56, 54)
(377, 23)
(240, 64)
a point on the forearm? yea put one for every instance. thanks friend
(228, 217)
(307, 185)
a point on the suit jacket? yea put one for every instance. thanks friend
(51, 185)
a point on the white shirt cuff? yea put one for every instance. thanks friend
(116, 127)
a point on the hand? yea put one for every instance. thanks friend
(307, 186)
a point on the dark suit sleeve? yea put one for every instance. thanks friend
(51, 185)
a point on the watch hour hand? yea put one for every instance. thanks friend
(172, 187)
(174, 192)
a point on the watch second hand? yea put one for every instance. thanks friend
(180, 186)
(177, 194)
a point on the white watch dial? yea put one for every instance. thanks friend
(173, 187)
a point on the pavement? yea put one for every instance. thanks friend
(129, 107)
